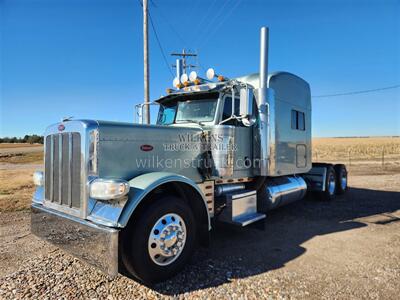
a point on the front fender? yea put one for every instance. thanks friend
(142, 185)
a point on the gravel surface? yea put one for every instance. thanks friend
(346, 249)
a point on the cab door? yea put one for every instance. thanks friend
(243, 145)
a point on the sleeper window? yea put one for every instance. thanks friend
(298, 120)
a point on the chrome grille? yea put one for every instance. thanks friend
(63, 169)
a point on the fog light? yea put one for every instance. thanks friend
(107, 189)
(38, 178)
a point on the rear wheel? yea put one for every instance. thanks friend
(158, 244)
(330, 185)
(341, 179)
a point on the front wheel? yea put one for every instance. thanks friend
(158, 244)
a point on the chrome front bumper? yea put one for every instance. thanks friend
(94, 244)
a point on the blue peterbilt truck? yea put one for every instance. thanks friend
(140, 198)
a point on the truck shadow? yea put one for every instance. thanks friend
(239, 253)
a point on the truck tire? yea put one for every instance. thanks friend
(330, 185)
(341, 179)
(161, 240)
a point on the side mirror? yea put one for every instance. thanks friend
(246, 105)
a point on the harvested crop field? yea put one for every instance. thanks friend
(345, 249)
(380, 150)
(20, 154)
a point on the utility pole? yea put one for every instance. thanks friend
(185, 66)
(146, 106)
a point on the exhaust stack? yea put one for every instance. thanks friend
(265, 99)
(264, 36)
(179, 68)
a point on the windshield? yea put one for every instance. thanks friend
(188, 111)
(196, 110)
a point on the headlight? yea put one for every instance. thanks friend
(107, 189)
(38, 178)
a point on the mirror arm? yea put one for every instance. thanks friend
(233, 102)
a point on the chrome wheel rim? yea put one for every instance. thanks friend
(343, 181)
(331, 184)
(167, 239)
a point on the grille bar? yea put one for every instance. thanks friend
(63, 169)
(60, 161)
(70, 169)
(51, 167)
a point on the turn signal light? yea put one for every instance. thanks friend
(38, 178)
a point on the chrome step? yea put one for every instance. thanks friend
(249, 219)
(241, 208)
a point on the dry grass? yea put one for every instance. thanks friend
(22, 158)
(358, 148)
(372, 155)
(17, 145)
(16, 189)
(16, 186)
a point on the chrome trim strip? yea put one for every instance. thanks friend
(70, 169)
(272, 133)
(62, 208)
(51, 167)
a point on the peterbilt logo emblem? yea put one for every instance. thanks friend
(61, 127)
(146, 147)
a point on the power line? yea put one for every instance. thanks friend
(192, 13)
(158, 41)
(170, 25)
(210, 24)
(200, 24)
(358, 92)
(225, 17)
(159, 45)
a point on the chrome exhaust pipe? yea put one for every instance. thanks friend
(228, 188)
(265, 97)
(179, 69)
(264, 36)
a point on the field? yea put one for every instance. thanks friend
(347, 249)
(384, 151)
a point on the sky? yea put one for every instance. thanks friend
(84, 58)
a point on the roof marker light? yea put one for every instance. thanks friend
(210, 74)
(184, 78)
(193, 76)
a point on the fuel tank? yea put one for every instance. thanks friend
(279, 191)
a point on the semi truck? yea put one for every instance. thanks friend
(139, 199)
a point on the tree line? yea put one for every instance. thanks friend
(31, 139)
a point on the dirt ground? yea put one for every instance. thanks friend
(345, 249)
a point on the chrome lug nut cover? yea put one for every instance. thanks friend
(168, 236)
